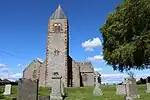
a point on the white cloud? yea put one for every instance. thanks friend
(98, 69)
(2, 65)
(5, 69)
(113, 75)
(15, 75)
(94, 58)
(19, 65)
(11, 76)
(90, 44)
(39, 59)
(117, 78)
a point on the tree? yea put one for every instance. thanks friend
(141, 81)
(148, 79)
(126, 36)
(131, 74)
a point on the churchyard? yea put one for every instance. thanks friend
(83, 93)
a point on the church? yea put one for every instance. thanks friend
(58, 61)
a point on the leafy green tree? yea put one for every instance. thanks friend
(126, 35)
(6, 81)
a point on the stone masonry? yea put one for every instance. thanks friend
(57, 58)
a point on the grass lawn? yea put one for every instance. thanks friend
(83, 93)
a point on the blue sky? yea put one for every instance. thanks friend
(23, 29)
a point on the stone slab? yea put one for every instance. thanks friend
(56, 88)
(27, 89)
(7, 89)
(148, 87)
(120, 90)
(131, 89)
(97, 91)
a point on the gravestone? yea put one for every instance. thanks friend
(120, 90)
(56, 87)
(131, 89)
(148, 87)
(27, 89)
(7, 89)
(97, 91)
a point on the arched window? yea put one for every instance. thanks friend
(57, 27)
(84, 77)
(34, 74)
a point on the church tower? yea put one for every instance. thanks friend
(57, 47)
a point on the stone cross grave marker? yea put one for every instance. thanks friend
(27, 89)
(120, 90)
(97, 91)
(131, 89)
(7, 89)
(56, 87)
(148, 87)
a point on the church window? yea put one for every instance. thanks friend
(34, 74)
(84, 77)
(57, 28)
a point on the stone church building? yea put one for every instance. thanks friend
(58, 61)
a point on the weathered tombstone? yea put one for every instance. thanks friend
(97, 91)
(148, 87)
(7, 89)
(131, 89)
(56, 87)
(27, 89)
(120, 90)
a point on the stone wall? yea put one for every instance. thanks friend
(75, 74)
(87, 78)
(87, 73)
(33, 68)
(57, 62)
(86, 67)
(42, 73)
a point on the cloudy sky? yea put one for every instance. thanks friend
(23, 29)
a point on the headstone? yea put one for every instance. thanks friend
(120, 90)
(148, 87)
(131, 89)
(7, 89)
(56, 88)
(97, 91)
(27, 89)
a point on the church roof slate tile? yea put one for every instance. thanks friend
(58, 14)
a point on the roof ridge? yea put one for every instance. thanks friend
(58, 14)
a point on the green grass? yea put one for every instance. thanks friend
(83, 93)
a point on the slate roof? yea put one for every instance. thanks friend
(58, 14)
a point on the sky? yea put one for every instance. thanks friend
(23, 30)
